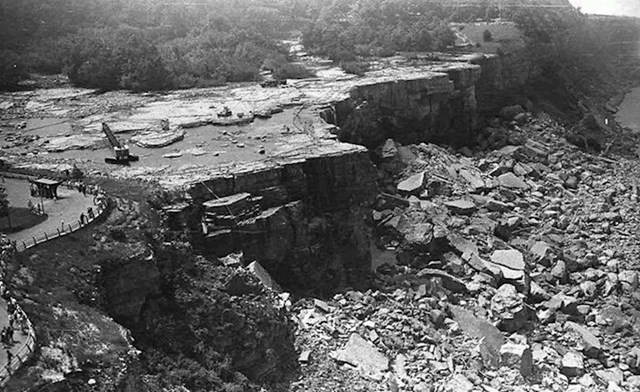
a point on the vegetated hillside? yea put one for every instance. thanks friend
(141, 44)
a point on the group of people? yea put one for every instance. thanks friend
(34, 209)
(83, 188)
(17, 321)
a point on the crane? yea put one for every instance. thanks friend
(122, 156)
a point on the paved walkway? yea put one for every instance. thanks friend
(67, 208)
(18, 337)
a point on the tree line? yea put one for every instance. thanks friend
(154, 45)
(144, 45)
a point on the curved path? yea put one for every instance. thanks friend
(67, 208)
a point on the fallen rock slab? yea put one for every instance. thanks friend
(511, 264)
(153, 139)
(412, 185)
(517, 356)
(475, 180)
(73, 142)
(263, 276)
(592, 346)
(450, 282)
(510, 258)
(510, 180)
(363, 355)
(492, 338)
(572, 364)
(461, 207)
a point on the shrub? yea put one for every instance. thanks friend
(363, 50)
(292, 71)
(354, 67)
(487, 36)
(383, 51)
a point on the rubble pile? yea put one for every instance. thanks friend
(515, 270)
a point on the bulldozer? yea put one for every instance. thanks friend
(122, 155)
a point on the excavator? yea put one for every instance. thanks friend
(122, 155)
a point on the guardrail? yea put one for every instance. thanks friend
(26, 349)
(22, 354)
(101, 207)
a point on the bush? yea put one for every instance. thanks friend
(383, 51)
(292, 71)
(444, 37)
(354, 67)
(487, 36)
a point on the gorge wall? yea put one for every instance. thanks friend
(304, 221)
(302, 216)
(444, 106)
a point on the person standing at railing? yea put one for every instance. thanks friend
(9, 359)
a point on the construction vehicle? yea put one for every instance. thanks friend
(122, 155)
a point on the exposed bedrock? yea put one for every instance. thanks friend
(440, 107)
(303, 216)
(304, 221)
(502, 79)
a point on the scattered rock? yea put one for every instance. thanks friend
(510, 258)
(592, 347)
(264, 276)
(389, 149)
(511, 181)
(508, 307)
(304, 356)
(412, 185)
(461, 207)
(490, 336)
(559, 271)
(517, 356)
(458, 383)
(363, 355)
(572, 364)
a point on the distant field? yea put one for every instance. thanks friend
(501, 33)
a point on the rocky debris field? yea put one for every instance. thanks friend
(517, 270)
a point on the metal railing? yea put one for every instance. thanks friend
(20, 246)
(26, 348)
(22, 354)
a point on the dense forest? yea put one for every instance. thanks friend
(152, 44)
(142, 44)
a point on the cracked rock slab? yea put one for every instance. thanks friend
(363, 355)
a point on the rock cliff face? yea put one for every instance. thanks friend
(302, 215)
(440, 107)
(502, 77)
(303, 221)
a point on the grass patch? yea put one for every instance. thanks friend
(21, 218)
